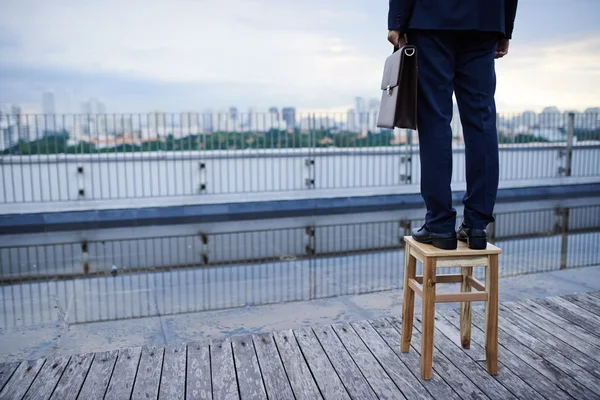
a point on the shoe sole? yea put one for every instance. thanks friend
(443, 244)
(478, 243)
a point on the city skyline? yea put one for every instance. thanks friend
(95, 105)
(317, 55)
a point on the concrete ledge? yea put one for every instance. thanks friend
(240, 197)
(252, 210)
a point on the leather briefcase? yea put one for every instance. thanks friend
(399, 84)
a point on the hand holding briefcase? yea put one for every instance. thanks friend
(399, 84)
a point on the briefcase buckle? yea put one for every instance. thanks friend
(389, 90)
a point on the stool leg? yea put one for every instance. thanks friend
(408, 304)
(429, 279)
(491, 316)
(465, 310)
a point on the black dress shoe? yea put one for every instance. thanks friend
(444, 241)
(476, 238)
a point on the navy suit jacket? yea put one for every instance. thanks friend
(467, 15)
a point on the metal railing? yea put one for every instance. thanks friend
(65, 158)
(138, 277)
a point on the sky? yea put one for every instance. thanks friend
(316, 55)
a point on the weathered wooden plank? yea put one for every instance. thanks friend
(461, 383)
(247, 368)
(506, 377)
(410, 387)
(72, 379)
(565, 347)
(147, 380)
(97, 380)
(484, 381)
(543, 315)
(172, 380)
(224, 381)
(570, 311)
(45, 382)
(552, 354)
(21, 379)
(585, 301)
(122, 380)
(6, 371)
(379, 380)
(539, 362)
(436, 386)
(303, 384)
(274, 376)
(530, 375)
(198, 381)
(327, 379)
(595, 294)
(349, 373)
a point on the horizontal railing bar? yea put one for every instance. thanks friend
(250, 153)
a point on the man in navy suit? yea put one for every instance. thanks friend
(457, 42)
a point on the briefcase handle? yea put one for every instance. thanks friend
(409, 52)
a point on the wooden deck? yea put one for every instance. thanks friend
(549, 348)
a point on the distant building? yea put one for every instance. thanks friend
(589, 120)
(12, 134)
(288, 114)
(252, 121)
(93, 106)
(207, 124)
(16, 111)
(273, 120)
(190, 123)
(372, 113)
(94, 120)
(351, 119)
(157, 124)
(551, 118)
(361, 114)
(48, 106)
(233, 113)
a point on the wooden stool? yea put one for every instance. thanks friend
(433, 258)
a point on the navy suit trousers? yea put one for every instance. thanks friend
(461, 62)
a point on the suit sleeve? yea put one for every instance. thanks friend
(510, 11)
(400, 13)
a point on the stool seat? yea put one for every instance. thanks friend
(462, 250)
(424, 286)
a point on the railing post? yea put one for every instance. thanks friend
(492, 232)
(567, 170)
(85, 257)
(309, 181)
(310, 250)
(409, 164)
(563, 213)
(404, 229)
(406, 160)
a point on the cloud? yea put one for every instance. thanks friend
(566, 75)
(292, 51)
(182, 54)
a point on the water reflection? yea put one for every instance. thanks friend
(183, 274)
